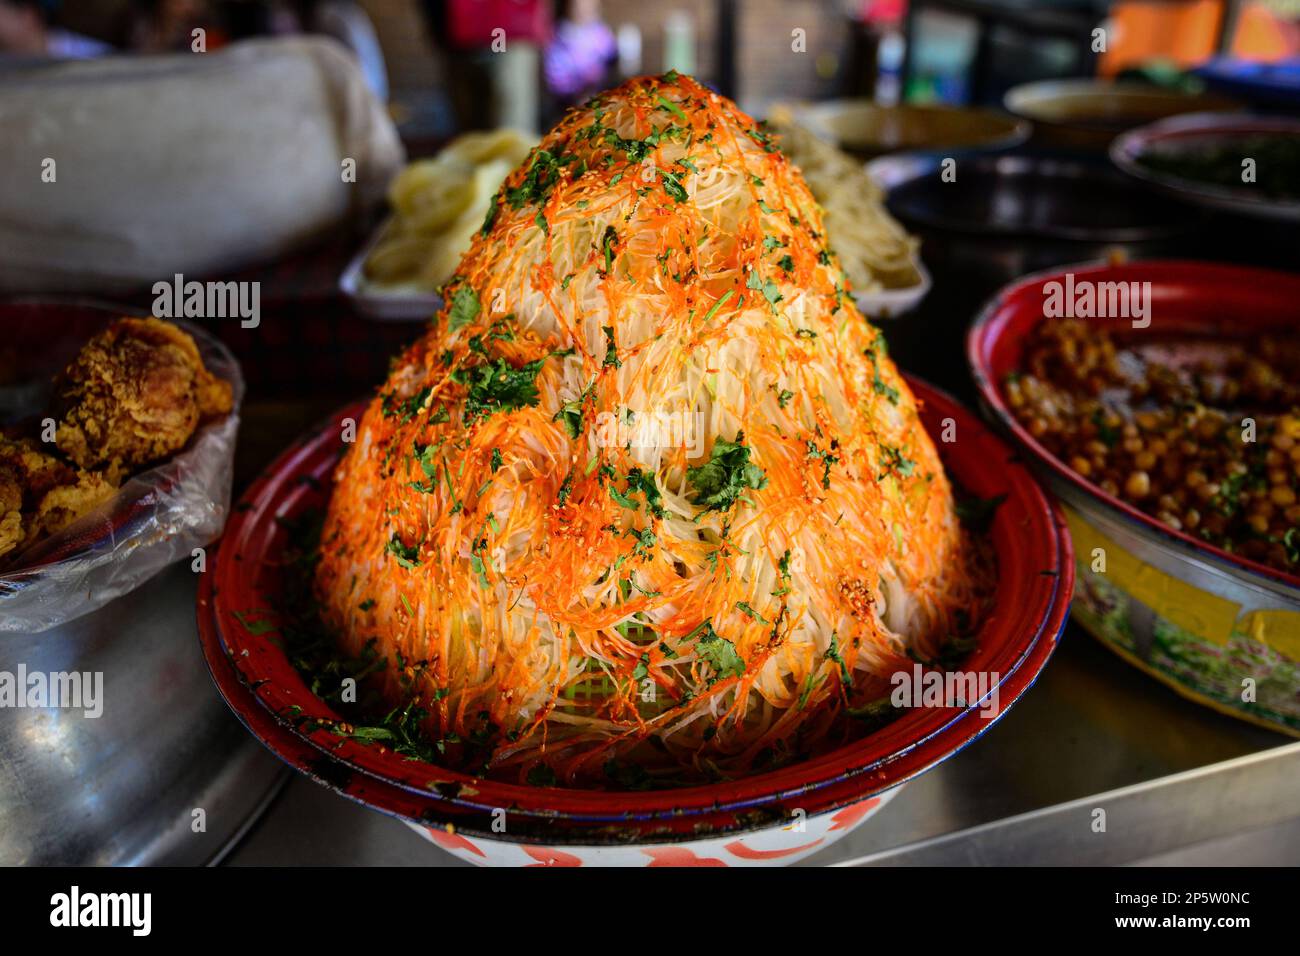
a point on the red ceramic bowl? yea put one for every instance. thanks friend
(1202, 298)
(1188, 613)
(1034, 584)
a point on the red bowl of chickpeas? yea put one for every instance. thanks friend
(1160, 400)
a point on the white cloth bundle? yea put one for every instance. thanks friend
(195, 163)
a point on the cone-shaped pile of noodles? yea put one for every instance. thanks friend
(649, 501)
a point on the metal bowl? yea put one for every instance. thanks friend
(1180, 133)
(867, 129)
(1191, 615)
(1086, 114)
(123, 788)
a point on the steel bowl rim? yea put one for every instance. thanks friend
(1126, 148)
(1038, 91)
(1012, 130)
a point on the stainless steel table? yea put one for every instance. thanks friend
(1178, 783)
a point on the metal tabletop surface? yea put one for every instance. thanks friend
(1177, 782)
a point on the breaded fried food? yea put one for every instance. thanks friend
(12, 527)
(41, 495)
(134, 395)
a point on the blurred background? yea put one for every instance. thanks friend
(221, 164)
(430, 59)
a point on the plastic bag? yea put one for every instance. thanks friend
(157, 517)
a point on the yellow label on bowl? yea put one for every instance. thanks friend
(1206, 615)
(1278, 629)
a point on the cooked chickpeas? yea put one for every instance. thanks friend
(1175, 443)
(1138, 485)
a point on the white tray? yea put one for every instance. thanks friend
(373, 301)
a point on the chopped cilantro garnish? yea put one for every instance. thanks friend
(571, 414)
(721, 481)
(566, 489)
(827, 459)
(645, 541)
(406, 557)
(644, 482)
(627, 502)
(891, 459)
(424, 457)
(543, 173)
(880, 386)
(642, 669)
(765, 286)
(407, 408)
(490, 218)
(611, 348)
(718, 652)
(763, 138)
(464, 308)
(673, 186)
(497, 386)
(477, 564)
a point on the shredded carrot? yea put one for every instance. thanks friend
(707, 600)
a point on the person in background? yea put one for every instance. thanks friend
(577, 61)
(27, 30)
(490, 56)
